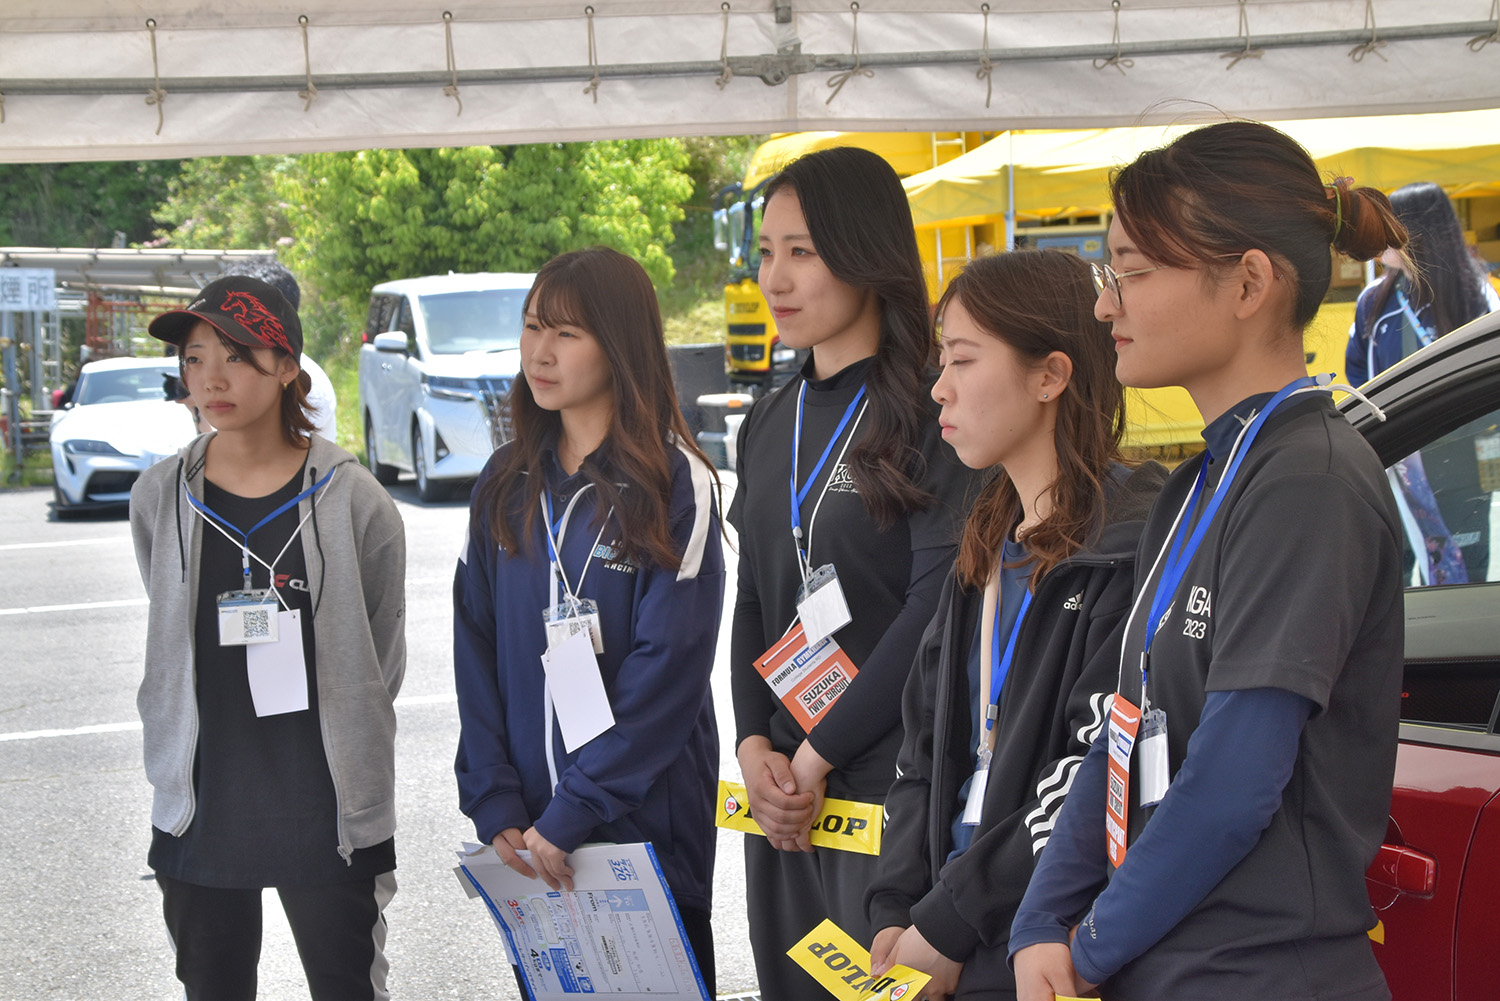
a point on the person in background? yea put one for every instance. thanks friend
(1013, 674)
(1444, 512)
(1216, 839)
(600, 507)
(873, 511)
(1403, 311)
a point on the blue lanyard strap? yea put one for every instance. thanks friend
(1180, 554)
(208, 512)
(798, 496)
(1000, 665)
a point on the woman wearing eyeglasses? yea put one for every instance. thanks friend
(1216, 838)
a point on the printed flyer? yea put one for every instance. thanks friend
(616, 933)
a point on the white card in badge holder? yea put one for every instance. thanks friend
(278, 671)
(583, 710)
(821, 606)
(1155, 769)
(570, 616)
(974, 805)
(247, 617)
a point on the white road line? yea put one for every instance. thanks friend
(405, 700)
(82, 606)
(68, 542)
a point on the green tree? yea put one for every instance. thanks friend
(81, 204)
(226, 202)
(362, 218)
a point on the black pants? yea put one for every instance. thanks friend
(339, 930)
(788, 894)
(700, 938)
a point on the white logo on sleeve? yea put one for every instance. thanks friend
(1074, 603)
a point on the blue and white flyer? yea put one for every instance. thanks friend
(616, 933)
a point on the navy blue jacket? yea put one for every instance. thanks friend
(653, 775)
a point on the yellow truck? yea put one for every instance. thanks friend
(972, 194)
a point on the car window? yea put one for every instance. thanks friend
(482, 320)
(379, 319)
(122, 385)
(1447, 493)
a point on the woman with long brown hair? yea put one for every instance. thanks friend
(1217, 835)
(599, 517)
(847, 510)
(1011, 679)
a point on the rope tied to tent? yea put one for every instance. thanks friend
(310, 94)
(157, 95)
(1118, 61)
(1247, 52)
(593, 87)
(452, 89)
(725, 73)
(838, 80)
(1374, 45)
(1475, 44)
(985, 66)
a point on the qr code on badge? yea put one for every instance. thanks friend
(257, 623)
(624, 870)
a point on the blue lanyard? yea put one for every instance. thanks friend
(555, 532)
(1000, 665)
(1179, 555)
(798, 496)
(208, 512)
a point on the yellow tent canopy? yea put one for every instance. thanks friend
(907, 152)
(1063, 172)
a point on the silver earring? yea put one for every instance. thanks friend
(1044, 396)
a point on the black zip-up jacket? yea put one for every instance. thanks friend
(1055, 702)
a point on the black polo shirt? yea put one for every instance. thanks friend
(1296, 586)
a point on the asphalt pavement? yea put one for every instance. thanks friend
(79, 910)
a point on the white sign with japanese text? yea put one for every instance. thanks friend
(28, 290)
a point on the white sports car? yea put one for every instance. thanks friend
(119, 424)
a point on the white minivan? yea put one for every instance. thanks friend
(435, 370)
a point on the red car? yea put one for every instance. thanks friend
(1435, 885)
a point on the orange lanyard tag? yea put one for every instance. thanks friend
(807, 678)
(1124, 722)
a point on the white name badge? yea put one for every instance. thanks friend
(974, 805)
(248, 617)
(278, 671)
(821, 606)
(583, 711)
(1155, 768)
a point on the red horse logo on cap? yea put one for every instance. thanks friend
(251, 314)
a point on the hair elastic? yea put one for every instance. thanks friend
(1335, 189)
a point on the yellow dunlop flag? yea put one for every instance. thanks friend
(844, 824)
(837, 962)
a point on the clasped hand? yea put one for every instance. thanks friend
(786, 794)
(550, 862)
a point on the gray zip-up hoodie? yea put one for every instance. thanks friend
(355, 547)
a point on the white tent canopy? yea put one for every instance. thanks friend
(120, 79)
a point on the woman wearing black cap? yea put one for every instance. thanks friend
(266, 704)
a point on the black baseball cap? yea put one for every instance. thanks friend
(244, 309)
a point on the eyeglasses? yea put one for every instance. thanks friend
(1107, 278)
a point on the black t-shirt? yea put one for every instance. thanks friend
(862, 732)
(1296, 586)
(265, 812)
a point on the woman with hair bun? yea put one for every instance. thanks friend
(1215, 841)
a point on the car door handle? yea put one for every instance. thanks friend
(1404, 870)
